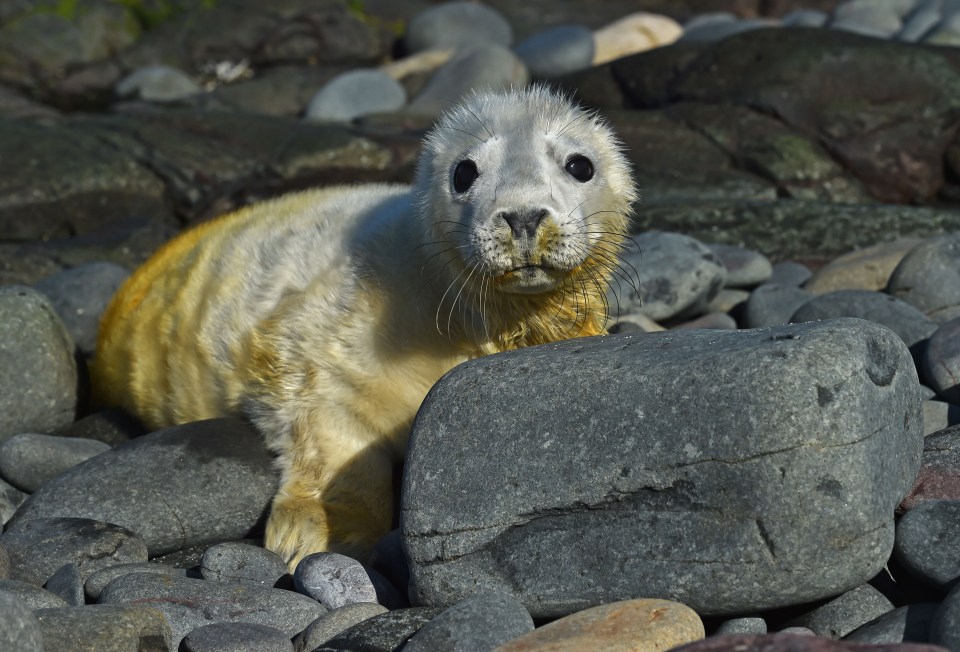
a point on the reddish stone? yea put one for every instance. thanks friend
(795, 643)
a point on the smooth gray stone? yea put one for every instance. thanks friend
(68, 584)
(333, 579)
(938, 415)
(918, 25)
(846, 612)
(773, 305)
(384, 633)
(4, 563)
(483, 621)
(157, 84)
(719, 30)
(34, 344)
(19, 629)
(95, 583)
(745, 268)
(40, 547)
(335, 622)
(188, 603)
(149, 485)
(80, 295)
(667, 275)
(96, 626)
(804, 18)
(928, 543)
(236, 637)
(29, 460)
(941, 361)
(878, 22)
(928, 277)
(557, 51)
(32, 595)
(111, 426)
(790, 274)
(354, 94)
(600, 491)
(389, 559)
(10, 499)
(242, 563)
(906, 624)
(742, 626)
(457, 25)
(945, 626)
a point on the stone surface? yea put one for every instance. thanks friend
(938, 415)
(354, 94)
(790, 274)
(111, 426)
(556, 51)
(945, 625)
(188, 603)
(928, 277)
(941, 361)
(32, 595)
(91, 627)
(909, 623)
(928, 543)
(335, 622)
(751, 625)
(631, 625)
(389, 631)
(95, 583)
(334, 580)
(597, 466)
(10, 499)
(132, 486)
(772, 305)
(794, 642)
(480, 622)
(939, 476)
(28, 460)
(221, 637)
(243, 564)
(745, 268)
(35, 345)
(864, 269)
(19, 629)
(846, 612)
(157, 84)
(634, 33)
(457, 25)
(67, 583)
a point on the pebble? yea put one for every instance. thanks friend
(745, 268)
(909, 623)
(918, 24)
(32, 595)
(928, 543)
(88, 627)
(945, 625)
(68, 584)
(480, 622)
(941, 361)
(938, 415)
(457, 25)
(631, 625)
(867, 20)
(389, 559)
(242, 563)
(28, 461)
(789, 273)
(846, 612)
(704, 29)
(335, 622)
(946, 33)
(334, 580)
(34, 344)
(637, 32)
(157, 84)
(236, 637)
(728, 300)
(714, 320)
(772, 305)
(95, 583)
(798, 639)
(19, 629)
(928, 277)
(556, 51)
(111, 426)
(751, 625)
(10, 499)
(865, 269)
(804, 18)
(80, 295)
(939, 476)
(388, 631)
(354, 94)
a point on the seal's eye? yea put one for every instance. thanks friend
(464, 175)
(579, 167)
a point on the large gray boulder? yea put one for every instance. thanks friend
(730, 471)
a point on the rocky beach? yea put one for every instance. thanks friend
(762, 455)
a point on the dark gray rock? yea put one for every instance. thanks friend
(157, 84)
(19, 629)
(335, 622)
(846, 612)
(941, 361)
(149, 485)
(389, 559)
(711, 320)
(188, 603)
(236, 637)
(481, 622)
(29, 460)
(745, 268)
(719, 29)
(242, 563)
(388, 594)
(790, 274)
(773, 305)
(80, 295)
(384, 633)
(918, 24)
(10, 499)
(90, 628)
(742, 626)
(938, 415)
(354, 94)
(906, 624)
(32, 595)
(95, 583)
(928, 277)
(4, 563)
(928, 543)
(457, 25)
(34, 347)
(557, 51)
(67, 583)
(111, 426)
(869, 20)
(945, 625)
(597, 492)
(805, 18)
(667, 275)
(39, 548)
(333, 579)
(939, 476)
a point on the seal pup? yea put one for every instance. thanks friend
(325, 316)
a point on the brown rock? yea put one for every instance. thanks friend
(866, 269)
(630, 626)
(939, 476)
(796, 643)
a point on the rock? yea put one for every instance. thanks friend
(40, 547)
(939, 476)
(928, 277)
(67, 583)
(865, 269)
(356, 93)
(389, 631)
(945, 625)
(236, 637)
(717, 320)
(641, 625)
(243, 564)
(745, 268)
(112, 426)
(387, 593)
(95, 583)
(865, 19)
(188, 604)
(728, 300)
(133, 485)
(938, 415)
(804, 18)
(157, 84)
(927, 543)
(633, 33)
(909, 623)
(918, 24)
(670, 276)
(483, 621)
(845, 613)
(773, 305)
(702, 30)
(783, 641)
(80, 295)
(19, 629)
(941, 361)
(28, 461)
(4, 563)
(333, 579)
(459, 25)
(946, 33)
(10, 499)
(389, 559)
(32, 595)
(790, 274)
(613, 469)
(34, 344)
(335, 622)
(751, 625)
(88, 628)
(557, 51)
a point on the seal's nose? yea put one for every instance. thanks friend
(524, 220)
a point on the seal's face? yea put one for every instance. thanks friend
(528, 191)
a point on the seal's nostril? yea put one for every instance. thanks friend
(524, 221)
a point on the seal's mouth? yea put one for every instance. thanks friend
(530, 279)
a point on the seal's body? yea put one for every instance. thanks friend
(325, 316)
